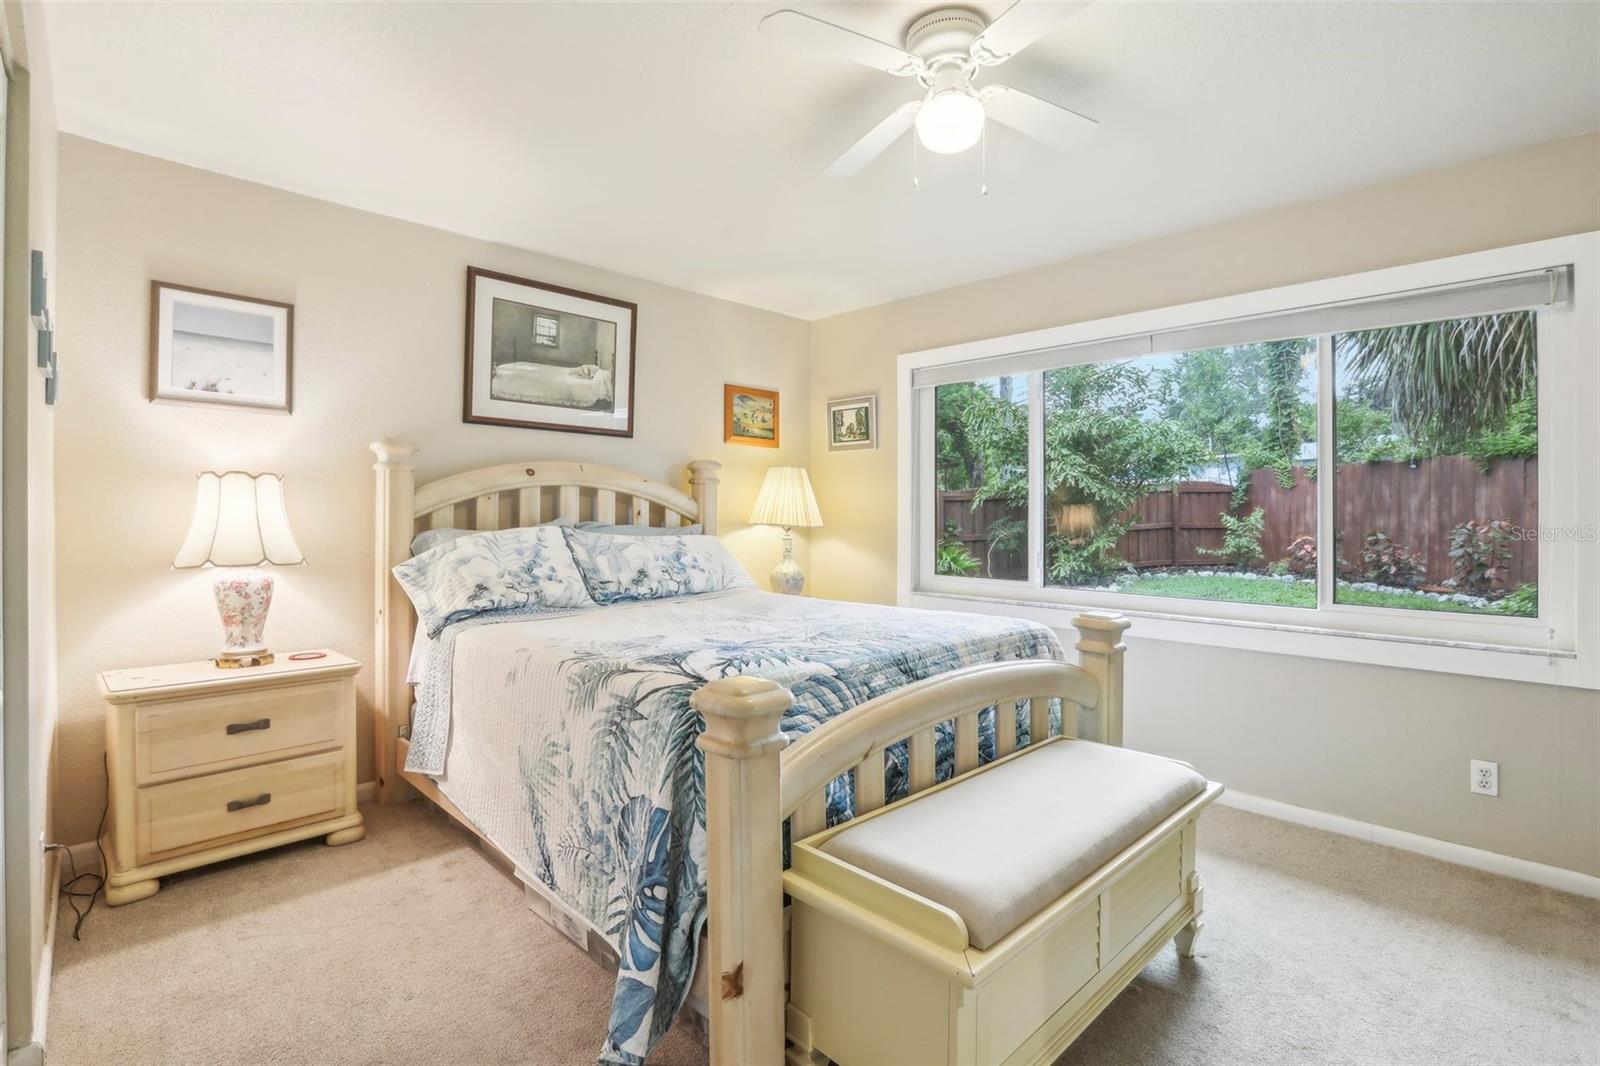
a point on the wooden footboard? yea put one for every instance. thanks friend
(755, 779)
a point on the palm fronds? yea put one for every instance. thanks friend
(1464, 373)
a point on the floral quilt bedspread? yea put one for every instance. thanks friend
(570, 742)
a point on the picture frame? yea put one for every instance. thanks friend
(541, 356)
(220, 348)
(853, 423)
(750, 416)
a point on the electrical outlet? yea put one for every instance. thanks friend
(1485, 777)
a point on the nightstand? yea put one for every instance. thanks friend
(206, 764)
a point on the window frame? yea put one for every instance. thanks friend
(1556, 647)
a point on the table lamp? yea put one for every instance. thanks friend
(786, 500)
(240, 523)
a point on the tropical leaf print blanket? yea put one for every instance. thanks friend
(569, 741)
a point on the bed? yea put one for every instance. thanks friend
(627, 761)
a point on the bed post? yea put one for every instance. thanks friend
(392, 527)
(1100, 651)
(744, 880)
(703, 487)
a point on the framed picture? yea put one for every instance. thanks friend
(214, 347)
(749, 416)
(543, 357)
(853, 423)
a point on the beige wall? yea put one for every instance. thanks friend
(1381, 745)
(379, 308)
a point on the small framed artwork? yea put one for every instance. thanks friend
(853, 423)
(543, 357)
(749, 416)
(215, 347)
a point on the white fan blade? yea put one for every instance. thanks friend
(1039, 119)
(1023, 23)
(793, 27)
(873, 144)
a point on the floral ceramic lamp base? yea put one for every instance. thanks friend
(243, 599)
(788, 578)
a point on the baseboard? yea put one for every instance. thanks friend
(366, 792)
(1537, 873)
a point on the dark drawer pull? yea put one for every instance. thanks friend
(260, 801)
(246, 727)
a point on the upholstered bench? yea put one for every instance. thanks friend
(989, 919)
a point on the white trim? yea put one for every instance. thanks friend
(1538, 873)
(1561, 647)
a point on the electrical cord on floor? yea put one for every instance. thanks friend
(68, 887)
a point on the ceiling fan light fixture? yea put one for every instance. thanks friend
(950, 120)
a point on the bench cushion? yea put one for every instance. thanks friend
(997, 847)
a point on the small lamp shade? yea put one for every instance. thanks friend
(239, 520)
(786, 499)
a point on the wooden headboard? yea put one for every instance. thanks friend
(489, 498)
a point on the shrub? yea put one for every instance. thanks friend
(1522, 601)
(1388, 562)
(1241, 538)
(1302, 555)
(1480, 552)
(952, 558)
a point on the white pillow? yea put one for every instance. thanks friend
(429, 539)
(513, 571)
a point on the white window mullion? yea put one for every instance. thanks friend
(1327, 471)
(1036, 493)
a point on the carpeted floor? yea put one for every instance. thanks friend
(410, 947)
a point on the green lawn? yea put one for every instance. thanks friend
(1281, 593)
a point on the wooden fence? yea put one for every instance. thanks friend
(1416, 504)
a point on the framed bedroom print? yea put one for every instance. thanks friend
(544, 357)
(749, 416)
(216, 347)
(853, 423)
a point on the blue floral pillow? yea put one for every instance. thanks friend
(526, 571)
(650, 568)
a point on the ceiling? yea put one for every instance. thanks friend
(670, 141)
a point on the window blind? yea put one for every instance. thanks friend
(1489, 296)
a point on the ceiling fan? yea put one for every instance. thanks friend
(944, 51)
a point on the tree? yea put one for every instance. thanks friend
(1461, 376)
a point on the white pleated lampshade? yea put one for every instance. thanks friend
(239, 520)
(786, 499)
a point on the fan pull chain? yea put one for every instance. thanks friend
(916, 183)
(983, 153)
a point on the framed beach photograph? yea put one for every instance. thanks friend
(749, 416)
(853, 423)
(216, 347)
(544, 357)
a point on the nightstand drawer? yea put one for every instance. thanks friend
(184, 737)
(209, 810)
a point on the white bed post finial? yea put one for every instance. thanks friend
(393, 529)
(703, 478)
(744, 881)
(1100, 652)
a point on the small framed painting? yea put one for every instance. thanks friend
(749, 416)
(544, 357)
(214, 347)
(853, 423)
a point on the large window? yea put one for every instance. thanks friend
(1336, 458)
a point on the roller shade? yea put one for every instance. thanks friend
(1490, 296)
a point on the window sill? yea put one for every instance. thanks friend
(1510, 662)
